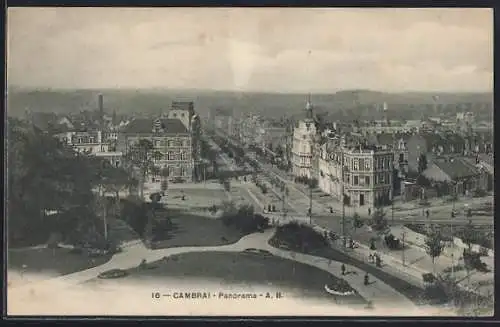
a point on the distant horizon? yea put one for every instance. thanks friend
(305, 92)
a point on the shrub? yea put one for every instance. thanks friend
(114, 273)
(244, 218)
(483, 252)
(299, 236)
(429, 278)
(472, 260)
(479, 193)
(357, 222)
(392, 242)
(379, 222)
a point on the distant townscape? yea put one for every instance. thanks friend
(377, 209)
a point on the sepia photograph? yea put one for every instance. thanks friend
(227, 161)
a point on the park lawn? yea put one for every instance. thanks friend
(59, 261)
(193, 230)
(409, 290)
(248, 268)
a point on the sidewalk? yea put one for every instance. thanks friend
(382, 295)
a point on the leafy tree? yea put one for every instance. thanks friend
(140, 155)
(357, 222)
(299, 236)
(379, 221)
(422, 163)
(45, 175)
(434, 246)
(469, 234)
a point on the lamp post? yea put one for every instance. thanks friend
(343, 196)
(403, 243)
(451, 232)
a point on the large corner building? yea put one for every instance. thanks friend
(175, 140)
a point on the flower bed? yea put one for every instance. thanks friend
(340, 289)
(114, 273)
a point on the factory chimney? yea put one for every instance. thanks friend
(101, 109)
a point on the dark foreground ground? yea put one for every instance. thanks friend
(61, 261)
(248, 268)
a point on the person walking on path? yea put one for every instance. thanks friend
(366, 279)
(369, 212)
(343, 269)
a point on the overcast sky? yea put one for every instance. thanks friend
(267, 49)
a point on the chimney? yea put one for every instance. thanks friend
(101, 109)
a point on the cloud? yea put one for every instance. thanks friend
(251, 49)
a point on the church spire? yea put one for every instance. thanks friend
(309, 113)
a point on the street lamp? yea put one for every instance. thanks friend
(403, 234)
(451, 232)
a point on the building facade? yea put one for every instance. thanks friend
(304, 135)
(363, 174)
(86, 142)
(172, 144)
(185, 112)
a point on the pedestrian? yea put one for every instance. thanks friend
(370, 258)
(366, 279)
(343, 269)
(369, 211)
(427, 213)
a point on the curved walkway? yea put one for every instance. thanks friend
(378, 292)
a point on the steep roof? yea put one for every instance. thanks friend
(457, 169)
(145, 126)
(183, 105)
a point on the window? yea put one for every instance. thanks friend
(182, 115)
(367, 180)
(382, 179)
(361, 164)
(157, 143)
(174, 115)
(355, 180)
(356, 164)
(367, 164)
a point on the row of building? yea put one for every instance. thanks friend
(174, 136)
(370, 162)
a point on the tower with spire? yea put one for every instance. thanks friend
(303, 144)
(309, 108)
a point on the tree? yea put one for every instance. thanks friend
(422, 163)
(469, 234)
(356, 221)
(227, 185)
(45, 175)
(118, 179)
(379, 222)
(434, 246)
(140, 155)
